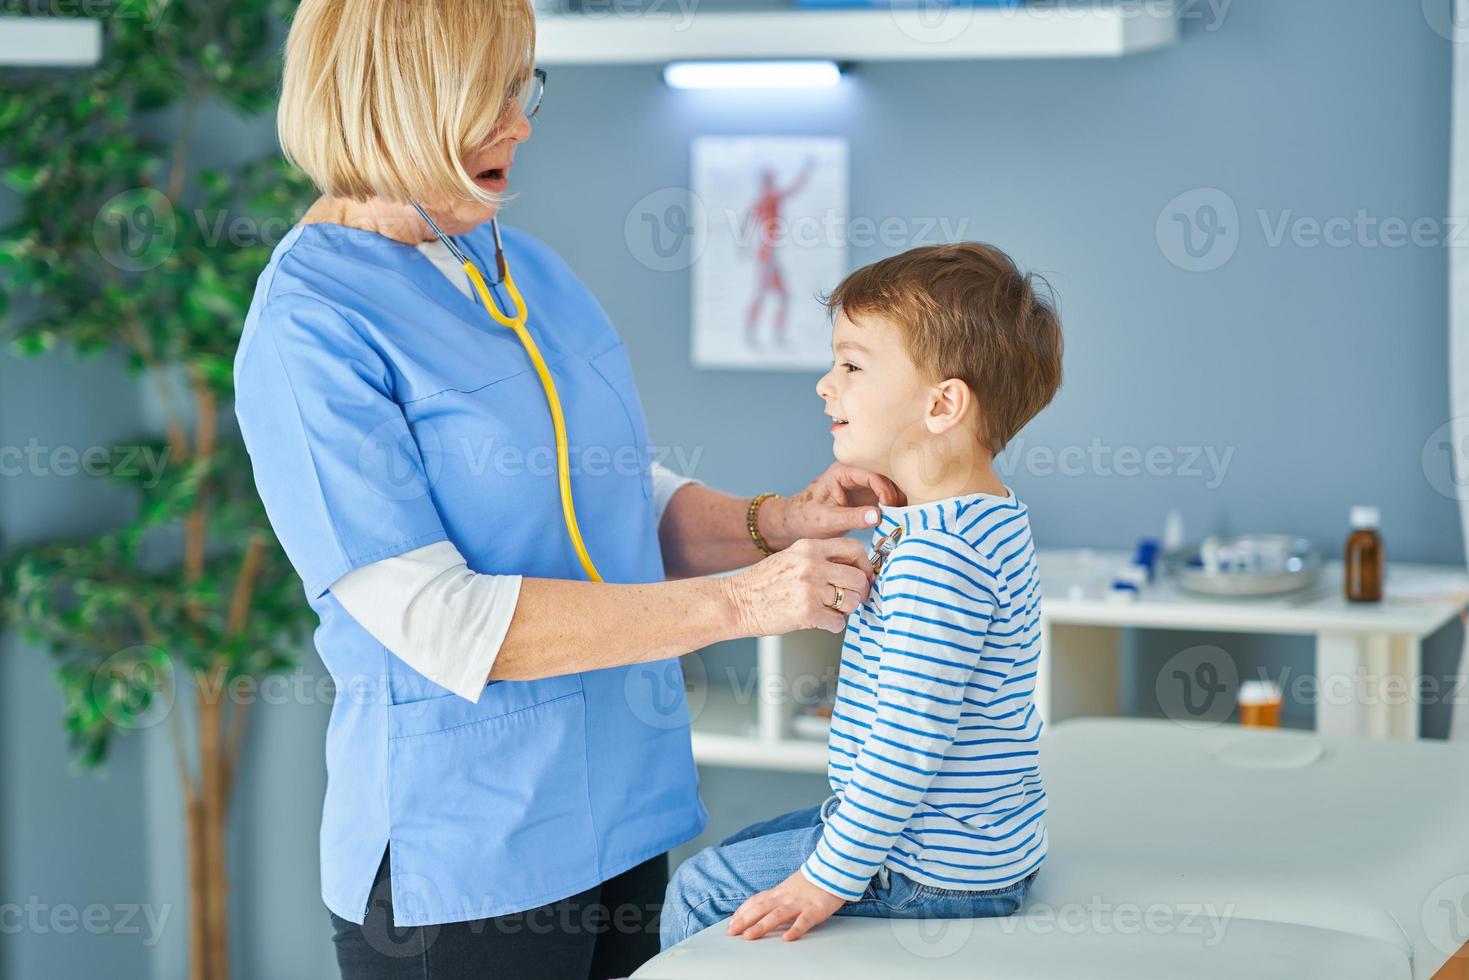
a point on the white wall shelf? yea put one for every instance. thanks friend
(50, 42)
(749, 725)
(1361, 651)
(959, 33)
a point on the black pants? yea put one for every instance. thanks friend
(607, 931)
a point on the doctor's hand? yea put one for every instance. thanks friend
(797, 588)
(842, 499)
(795, 901)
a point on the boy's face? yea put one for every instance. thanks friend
(874, 393)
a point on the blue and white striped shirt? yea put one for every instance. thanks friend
(933, 737)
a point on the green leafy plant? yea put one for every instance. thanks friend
(122, 244)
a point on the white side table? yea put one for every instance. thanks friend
(1368, 656)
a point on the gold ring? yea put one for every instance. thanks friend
(837, 595)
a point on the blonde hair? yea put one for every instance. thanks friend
(387, 97)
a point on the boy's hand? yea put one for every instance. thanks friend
(794, 900)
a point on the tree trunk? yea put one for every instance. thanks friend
(198, 926)
(208, 905)
(207, 799)
(215, 819)
(206, 821)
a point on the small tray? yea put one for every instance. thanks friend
(1247, 565)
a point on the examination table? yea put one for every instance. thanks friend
(1189, 854)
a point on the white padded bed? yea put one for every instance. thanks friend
(1199, 853)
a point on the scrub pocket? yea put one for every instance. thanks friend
(499, 784)
(426, 716)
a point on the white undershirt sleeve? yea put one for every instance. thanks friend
(437, 615)
(666, 483)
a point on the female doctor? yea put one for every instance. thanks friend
(508, 755)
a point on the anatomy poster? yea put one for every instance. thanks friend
(773, 242)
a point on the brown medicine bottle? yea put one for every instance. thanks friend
(1363, 557)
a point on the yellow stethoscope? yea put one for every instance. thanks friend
(517, 324)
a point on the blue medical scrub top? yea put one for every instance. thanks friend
(383, 410)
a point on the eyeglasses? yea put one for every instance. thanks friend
(524, 100)
(528, 98)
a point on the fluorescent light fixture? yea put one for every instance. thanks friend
(752, 74)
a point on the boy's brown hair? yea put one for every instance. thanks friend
(967, 312)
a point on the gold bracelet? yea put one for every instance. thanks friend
(752, 522)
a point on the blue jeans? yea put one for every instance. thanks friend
(711, 885)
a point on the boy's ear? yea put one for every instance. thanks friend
(950, 404)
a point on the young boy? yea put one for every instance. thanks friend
(942, 355)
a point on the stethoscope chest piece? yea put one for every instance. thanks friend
(878, 558)
(883, 548)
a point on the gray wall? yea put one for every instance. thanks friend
(1320, 370)
(70, 843)
(1314, 374)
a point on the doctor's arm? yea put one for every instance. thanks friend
(702, 531)
(440, 617)
(460, 628)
